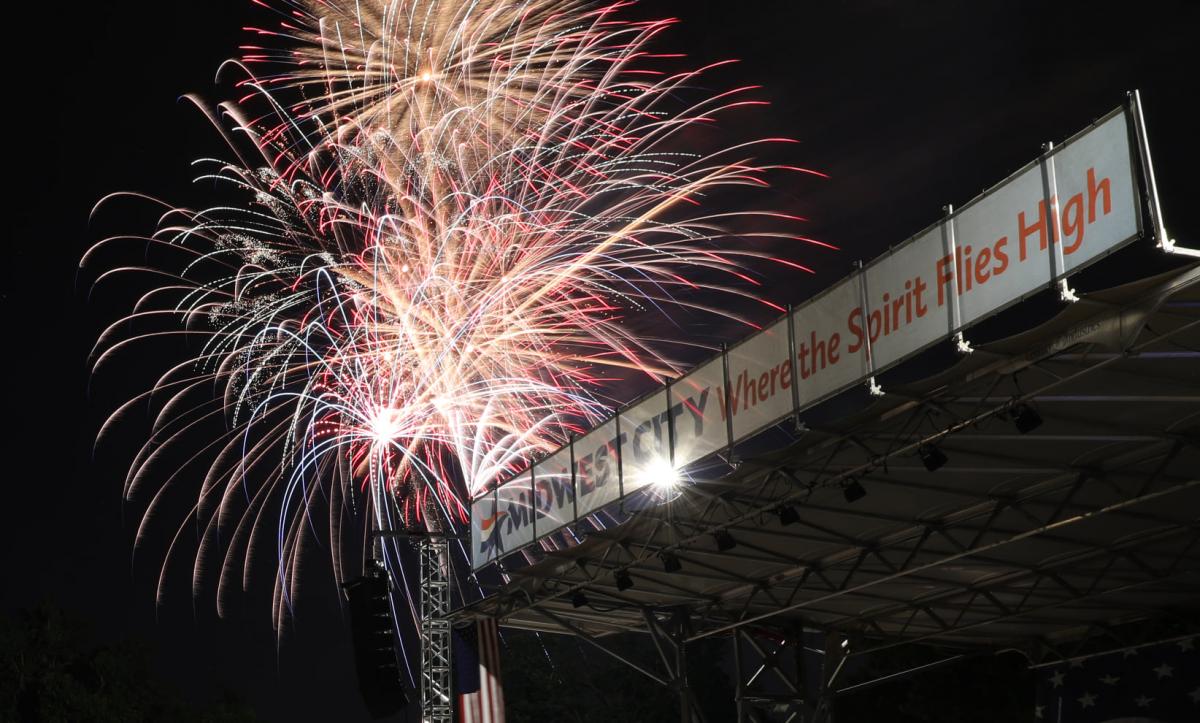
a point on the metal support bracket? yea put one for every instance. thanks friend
(961, 345)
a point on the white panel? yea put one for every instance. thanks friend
(596, 476)
(1005, 240)
(483, 530)
(999, 249)
(698, 406)
(644, 441)
(1097, 200)
(829, 356)
(515, 514)
(760, 380)
(906, 310)
(553, 493)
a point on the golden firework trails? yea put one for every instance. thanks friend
(444, 215)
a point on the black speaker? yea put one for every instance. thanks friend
(375, 643)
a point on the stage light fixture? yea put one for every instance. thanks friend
(578, 600)
(788, 515)
(932, 457)
(725, 541)
(670, 562)
(1026, 418)
(624, 581)
(853, 491)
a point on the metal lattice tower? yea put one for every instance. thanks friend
(436, 696)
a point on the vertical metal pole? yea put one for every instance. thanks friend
(1058, 264)
(793, 366)
(574, 483)
(533, 508)
(740, 690)
(620, 460)
(685, 703)
(1050, 197)
(496, 534)
(950, 248)
(864, 300)
(798, 655)
(670, 426)
(681, 677)
(1156, 220)
(728, 404)
(436, 696)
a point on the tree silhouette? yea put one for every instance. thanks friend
(51, 671)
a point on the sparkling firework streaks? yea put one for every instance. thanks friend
(444, 215)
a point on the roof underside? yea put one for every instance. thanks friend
(1092, 518)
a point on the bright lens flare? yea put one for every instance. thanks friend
(661, 475)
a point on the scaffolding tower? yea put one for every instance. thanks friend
(436, 696)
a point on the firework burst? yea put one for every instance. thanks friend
(445, 214)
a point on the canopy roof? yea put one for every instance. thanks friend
(1018, 540)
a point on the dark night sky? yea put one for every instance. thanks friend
(907, 106)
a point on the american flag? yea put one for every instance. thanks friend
(1152, 684)
(477, 673)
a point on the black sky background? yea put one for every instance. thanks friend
(908, 106)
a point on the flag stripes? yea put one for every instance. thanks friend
(485, 705)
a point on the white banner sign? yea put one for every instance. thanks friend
(1068, 208)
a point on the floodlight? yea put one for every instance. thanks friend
(787, 515)
(932, 457)
(853, 491)
(1026, 418)
(724, 540)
